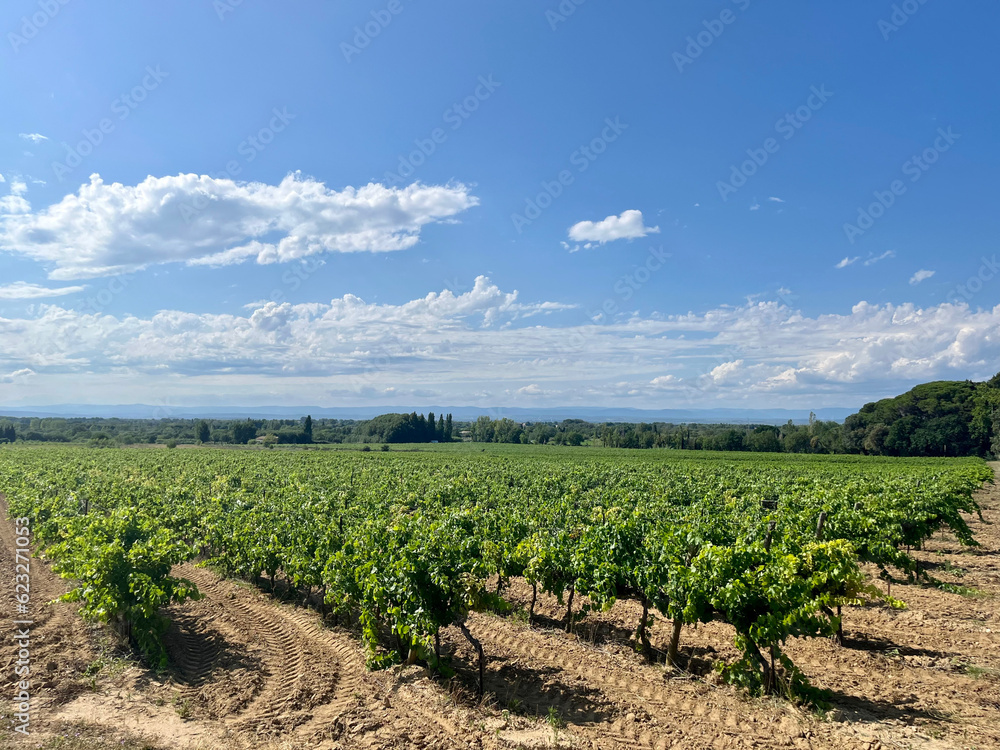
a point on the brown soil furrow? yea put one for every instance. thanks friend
(283, 651)
(60, 642)
(525, 642)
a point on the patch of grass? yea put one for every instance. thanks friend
(519, 615)
(953, 570)
(182, 706)
(555, 719)
(979, 673)
(106, 666)
(953, 588)
(556, 722)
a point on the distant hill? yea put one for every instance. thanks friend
(942, 418)
(461, 413)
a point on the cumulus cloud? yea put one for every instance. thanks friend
(530, 390)
(13, 204)
(33, 137)
(665, 381)
(24, 290)
(848, 261)
(921, 275)
(628, 226)
(107, 229)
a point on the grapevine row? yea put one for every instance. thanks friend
(405, 542)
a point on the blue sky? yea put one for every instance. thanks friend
(730, 203)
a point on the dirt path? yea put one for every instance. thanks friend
(248, 669)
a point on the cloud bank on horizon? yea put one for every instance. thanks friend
(488, 345)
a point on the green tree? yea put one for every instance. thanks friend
(203, 432)
(482, 430)
(875, 437)
(244, 432)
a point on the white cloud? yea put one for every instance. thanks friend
(33, 137)
(755, 206)
(848, 261)
(921, 275)
(2, 180)
(665, 381)
(876, 258)
(106, 229)
(627, 226)
(16, 376)
(23, 290)
(14, 204)
(776, 200)
(488, 341)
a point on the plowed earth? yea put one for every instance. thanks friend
(249, 671)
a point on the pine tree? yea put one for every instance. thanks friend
(307, 429)
(431, 428)
(447, 429)
(203, 432)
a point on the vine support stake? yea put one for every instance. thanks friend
(534, 596)
(482, 658)
(770, 533)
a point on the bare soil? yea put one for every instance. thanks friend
(249, 671)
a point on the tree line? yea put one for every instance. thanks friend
(942, 418)
(98, 432)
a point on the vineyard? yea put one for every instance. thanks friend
(406, 549)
